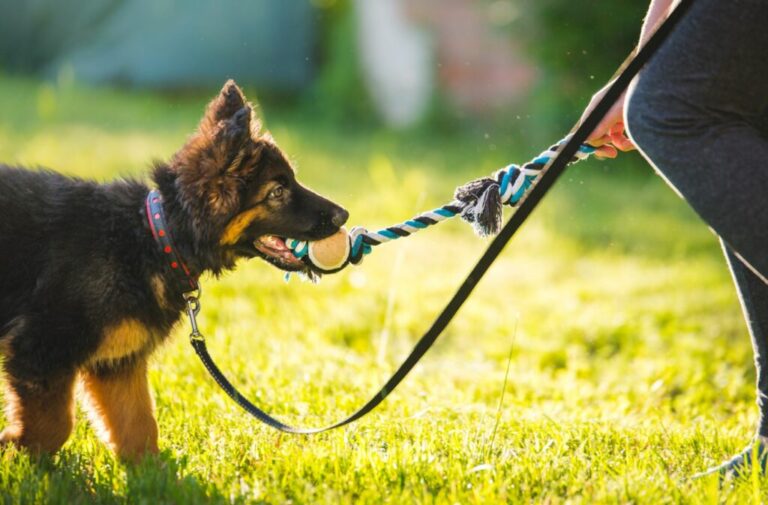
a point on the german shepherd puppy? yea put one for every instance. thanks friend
(86, 292)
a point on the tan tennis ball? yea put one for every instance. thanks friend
(330, 253)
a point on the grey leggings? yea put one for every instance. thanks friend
(699, 113)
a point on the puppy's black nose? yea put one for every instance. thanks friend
(339, 216)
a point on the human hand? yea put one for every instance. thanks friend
(609, 136)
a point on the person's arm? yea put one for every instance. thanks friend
(657, 12)
(609, 135)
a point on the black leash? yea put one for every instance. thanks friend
(542, 186)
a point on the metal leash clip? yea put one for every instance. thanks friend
(193, 309)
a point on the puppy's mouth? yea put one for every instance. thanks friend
(273, 249)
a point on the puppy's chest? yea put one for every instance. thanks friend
(132, 337)
(125, 339)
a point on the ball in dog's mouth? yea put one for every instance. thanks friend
(275, 250)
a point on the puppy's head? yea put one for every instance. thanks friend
(239, 191)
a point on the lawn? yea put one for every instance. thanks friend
(630, 366)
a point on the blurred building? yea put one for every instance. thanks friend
(397, 60)
(410, 47)
(162, 43)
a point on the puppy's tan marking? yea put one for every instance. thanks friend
(237, 226)
(120, 407)
(124, 339)
(158, 289)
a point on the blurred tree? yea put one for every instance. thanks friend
(338, 93)
(578, 46)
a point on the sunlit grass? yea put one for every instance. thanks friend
(631, 367)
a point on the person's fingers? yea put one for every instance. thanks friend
(622, 143)
(605, 125)
(599, 141)
(602, 127)
(619, 142)
(616, 128)
(600, 131)
(606, 151)
(614, 115)
(619, 138)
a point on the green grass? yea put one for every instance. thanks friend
(630, 363)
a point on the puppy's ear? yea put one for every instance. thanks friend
(210, 165)
(227, 103)
(231, 132)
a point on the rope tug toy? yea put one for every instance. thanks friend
(478, 202)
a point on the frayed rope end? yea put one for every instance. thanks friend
(483, 207)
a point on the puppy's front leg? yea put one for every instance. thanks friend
(120, 406)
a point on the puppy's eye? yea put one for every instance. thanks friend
(277, 192)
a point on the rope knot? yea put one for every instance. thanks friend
(358, 247)
(481, 202)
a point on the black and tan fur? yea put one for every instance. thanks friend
(85, 293)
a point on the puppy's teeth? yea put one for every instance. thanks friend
(269, 240)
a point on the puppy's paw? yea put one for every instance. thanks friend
(10, 438)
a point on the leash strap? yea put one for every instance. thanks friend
(551, 173)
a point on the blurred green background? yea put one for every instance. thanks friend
(629, 362)
(527, 65)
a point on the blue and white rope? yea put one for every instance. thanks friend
(514, 182)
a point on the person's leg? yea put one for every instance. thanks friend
(753, 295)
(697, 113)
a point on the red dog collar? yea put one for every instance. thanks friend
(157, 223)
